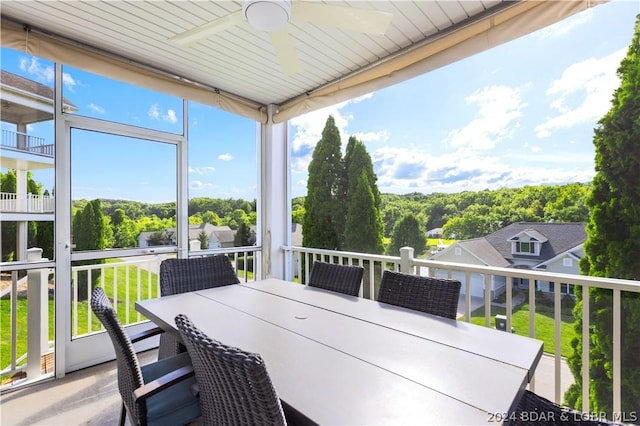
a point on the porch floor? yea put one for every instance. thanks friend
(90, 396)
(85, 397)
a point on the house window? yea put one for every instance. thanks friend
(567, 262)
(458, 251)
(525, 247)
(566, 288)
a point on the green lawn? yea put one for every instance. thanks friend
(544, 322)
(5, 329)
(147, 289)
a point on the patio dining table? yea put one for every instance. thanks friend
(340, 359)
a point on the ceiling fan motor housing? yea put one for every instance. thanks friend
(267, 15)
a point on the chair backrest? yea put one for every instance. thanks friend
(129, 373)
(345, 279)
(197, 273)
(534, 409)
(435, 296)
(183, 275)
(235, 387)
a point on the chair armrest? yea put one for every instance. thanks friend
(161, 383)
(146, 334)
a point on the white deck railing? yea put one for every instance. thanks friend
(302, 259)
(135, 280)
(125, 282)
(19, 141)
(27, 203)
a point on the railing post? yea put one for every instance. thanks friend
(37, 315)
(406, 260)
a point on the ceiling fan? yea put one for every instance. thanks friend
(273, 15)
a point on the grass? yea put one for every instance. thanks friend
(544, 325)
(21, 329)
(142, 285)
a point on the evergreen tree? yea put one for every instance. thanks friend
(243, 235)
(408, 232)
(204, 240)
(612, 247)
(89, 233)
(363, 231)
(322, 206)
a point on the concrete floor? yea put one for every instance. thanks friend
(90, 396)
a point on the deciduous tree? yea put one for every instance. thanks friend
(408, 232)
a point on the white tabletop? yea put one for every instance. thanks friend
(338, 365)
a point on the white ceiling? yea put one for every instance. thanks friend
(241, 60)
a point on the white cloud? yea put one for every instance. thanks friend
(308, 131)
(170, 116)
(202, 170)
(45, 73)
(403, 170)
(96, 108)
(565, 26)
(155, 114)
(499, 108)
(379, 136)
(225, 157)
(582, 94)
(198, 185)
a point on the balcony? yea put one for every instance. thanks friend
(21, 142)
(26, 203)
(552, 376)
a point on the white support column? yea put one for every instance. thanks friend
(21, 206)
(275, 208)
(182, 165)
(37, 315)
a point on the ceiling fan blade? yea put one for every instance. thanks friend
(200, 33)
(366, 21)
(286, 51)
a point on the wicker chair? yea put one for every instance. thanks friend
(339, 278)
(426, 294)
(534, 410)
(159, 393)
(183, 275)
(235, 387)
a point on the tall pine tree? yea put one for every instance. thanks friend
(612, 248)
(363, 231)
(89, 233)
(322, 205)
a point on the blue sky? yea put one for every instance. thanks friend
(522, 113)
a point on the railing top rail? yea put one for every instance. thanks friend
(600, 282)
(226, 250)
(367, 256)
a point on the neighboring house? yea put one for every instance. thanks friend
(553, 247)
(296, 234)
(218, 236)
(434, 233)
